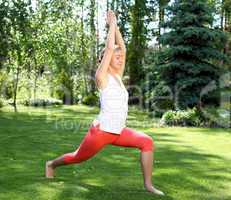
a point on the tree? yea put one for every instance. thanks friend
(222, 9)
(20, 32)
(226, 12)
(93, 45)
(191, 58)
(4, 32)
(62, 46)
(161, 15)
(137, 44)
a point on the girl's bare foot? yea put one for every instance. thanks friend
(49, 170)
(151, 188)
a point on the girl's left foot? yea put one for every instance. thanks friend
(152, 189)
(49, 170)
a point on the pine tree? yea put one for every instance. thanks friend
(193, 52)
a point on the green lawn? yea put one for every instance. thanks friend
(190, 163)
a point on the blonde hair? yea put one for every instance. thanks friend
(117, 48)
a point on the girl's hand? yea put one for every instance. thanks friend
(111, 18)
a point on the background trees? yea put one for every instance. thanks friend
(49, 49)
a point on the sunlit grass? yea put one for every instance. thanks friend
(190, 163)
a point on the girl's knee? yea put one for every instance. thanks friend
(148, 144)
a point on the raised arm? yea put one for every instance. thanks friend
(101, 72)
(120, 42)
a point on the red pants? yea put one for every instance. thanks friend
(96, 139)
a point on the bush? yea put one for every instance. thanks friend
(90, 100)
(160, 106)
(226, 106)
(217, 117)
(189, 117)
(158, 99)
(168, 118)
(41, 102)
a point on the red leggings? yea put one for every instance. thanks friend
(96, 139)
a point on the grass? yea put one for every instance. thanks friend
(190, 163)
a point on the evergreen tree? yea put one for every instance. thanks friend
(193, 52)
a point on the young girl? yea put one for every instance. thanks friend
(109, 126)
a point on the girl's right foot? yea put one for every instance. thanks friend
(49, 170)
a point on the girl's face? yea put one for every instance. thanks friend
(117, 60)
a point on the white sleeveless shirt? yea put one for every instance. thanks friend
(113, 106)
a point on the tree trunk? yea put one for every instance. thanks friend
(15, 89)
(35, 85)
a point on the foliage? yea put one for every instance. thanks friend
(4, 32)
(41, 102)
(61, 39)
(190, 59)
(204, 117)
(218, 116)
(91, 100)
(138, 41)
(189, 117)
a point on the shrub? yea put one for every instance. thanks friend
(90, 100)
(41, 102)
(217, 117)
(189, 117)
(161, 105)
(158, 99)
(168, 118)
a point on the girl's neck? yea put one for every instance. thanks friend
(112, 71)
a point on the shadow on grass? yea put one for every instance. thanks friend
(212, 131)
